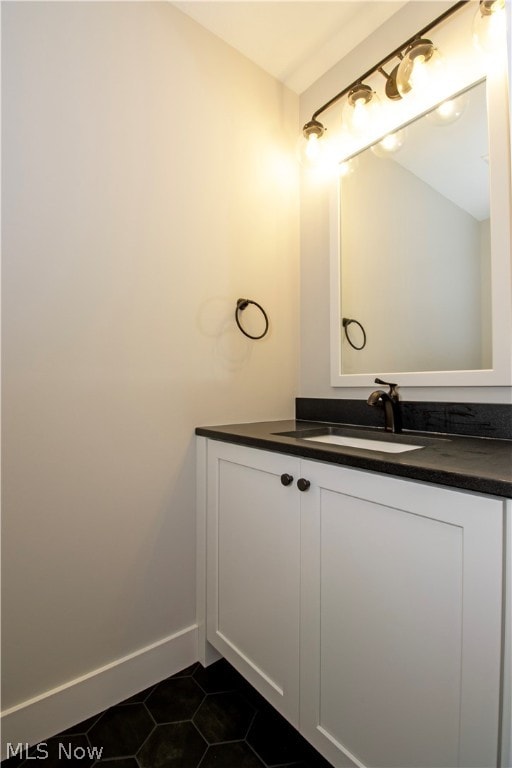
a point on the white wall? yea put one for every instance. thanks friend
(148, 182)
(315, 207)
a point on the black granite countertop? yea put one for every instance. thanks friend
(478, 464)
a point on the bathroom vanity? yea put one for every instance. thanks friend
(361, 591)
(366, 592)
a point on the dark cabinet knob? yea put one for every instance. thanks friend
(286, 479)
(303, 484)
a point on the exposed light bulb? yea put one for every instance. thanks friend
(420, 68)
(309, 151)
(310, 147)
(389, 144)
(361, 110)
(448, 111)
(347, 167)
(489, 26)
(419, 73)
(361, 116)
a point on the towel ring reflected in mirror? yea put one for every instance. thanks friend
(346, 321)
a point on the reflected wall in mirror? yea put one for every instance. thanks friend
(415, 247)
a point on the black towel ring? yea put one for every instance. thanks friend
(346, 322)
(242, 304)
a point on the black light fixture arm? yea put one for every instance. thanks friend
(396, 53)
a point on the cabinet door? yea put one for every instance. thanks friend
(253, 569)
(401, 621)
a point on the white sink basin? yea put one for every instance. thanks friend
(365, 444)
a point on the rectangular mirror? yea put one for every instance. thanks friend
(416, 276)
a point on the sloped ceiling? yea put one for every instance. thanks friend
(296, 42)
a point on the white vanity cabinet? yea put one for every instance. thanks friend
(400, 621)
(366, 608)
(253, 569)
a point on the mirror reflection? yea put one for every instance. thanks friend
(415, 246)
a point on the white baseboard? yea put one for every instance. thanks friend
(55, 710)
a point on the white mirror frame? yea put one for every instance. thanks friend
(501, 269)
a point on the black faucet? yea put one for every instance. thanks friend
(391, 403)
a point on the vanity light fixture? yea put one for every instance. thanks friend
(360, 108)
(448, 111)
(311, 132)
(420, 60)
(414, 54)
(489, 24)
(390, 143)
(347, 167)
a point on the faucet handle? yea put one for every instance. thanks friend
(392, 387)
(387, 383)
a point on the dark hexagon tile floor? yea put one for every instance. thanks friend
(224, 717)
(198, 718)
(175, 699)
